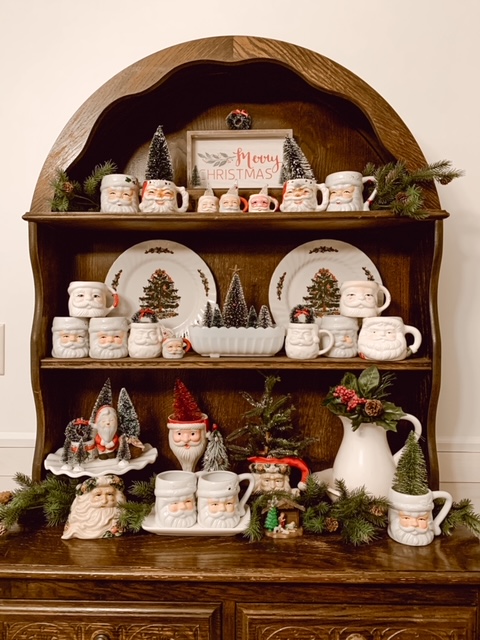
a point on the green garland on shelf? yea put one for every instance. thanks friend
(70, 195)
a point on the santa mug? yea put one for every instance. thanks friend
(108, 338)
(262, 202)
(385, 339)
(163, 196)
(70, 337)
(90, 299)
(119, 194)
(218, 502)
(360, 298)
(175, 503)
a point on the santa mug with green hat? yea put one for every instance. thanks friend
(119, 194)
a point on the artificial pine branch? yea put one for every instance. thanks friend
(70, 195)
(401, 190)
(91, 185)
(132, 515)
(461, 514)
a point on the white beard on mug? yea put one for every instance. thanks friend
(107, 351)
(118, 206)
(295, 204)
(188, 456)
(177, 519)
(69, 349)
(345, 203)
(412, 536)
(151, 205)
(380, 348)
(221, 520)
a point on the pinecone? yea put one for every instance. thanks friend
(373, 408)
(377, 511)
(5, 497)
(68, 187)
(331, 524)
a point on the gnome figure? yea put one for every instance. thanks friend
(160, 194)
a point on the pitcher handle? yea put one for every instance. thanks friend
(248, 491)
(417, 426)
(443, 511)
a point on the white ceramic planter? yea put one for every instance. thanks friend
(232, 341)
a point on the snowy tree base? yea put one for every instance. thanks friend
(231, 341)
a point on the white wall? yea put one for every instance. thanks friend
(422, 57)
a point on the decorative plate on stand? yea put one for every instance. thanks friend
(312, 274)
(95, 468)
(165, 276)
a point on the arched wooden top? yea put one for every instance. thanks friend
(319, 72)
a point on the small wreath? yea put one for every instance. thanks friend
(239, 119)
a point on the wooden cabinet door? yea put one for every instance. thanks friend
(108, 621)
(336, 622)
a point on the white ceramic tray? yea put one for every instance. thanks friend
(150, 525)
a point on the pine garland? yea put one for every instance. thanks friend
(401, 190)
(70, 195)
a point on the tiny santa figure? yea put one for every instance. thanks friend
(106, 438)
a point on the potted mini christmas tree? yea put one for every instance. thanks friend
(237, 329)
(265, 441)
(410, 516)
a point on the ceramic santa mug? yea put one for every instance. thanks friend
(145, 340)
(410, 519)
(70, 337)
(345, 336)
(175, 504)
(300, 194)
(302, 341)
(109, 338)
(163, 196)
(208, 203)
(119, 194)
(219, 506)
(175, 348)
(262, 202)
(384, 338)
(359, 298)
(90, 299)
(231, 202)
(345, 191)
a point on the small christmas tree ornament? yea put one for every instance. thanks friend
(410, 516)
(79, 445)
(187, 428)
(235, 310)
(300, 187)
(160, 194)
(129, 428)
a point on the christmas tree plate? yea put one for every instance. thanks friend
(149, 524)
(312, 273)
(95, 468)
(164, 276)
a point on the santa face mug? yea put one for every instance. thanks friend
(175, 503)
(345, 191)
(231, 202)
(302, 341)
(161, 196)
(384, 339)
(359, 298)
(108, 338)
(219, 506)
(119, 194)
(90, 299)
(145, 340)
(345, 333)
(300, 194)
(262, 203)
(70, 337)
(175, 348)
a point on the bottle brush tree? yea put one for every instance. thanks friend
(159, 162)
(411, 475)
(185, 407)
(235, 309)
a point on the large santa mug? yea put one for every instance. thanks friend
(163, 196)
(345, 191)
(384, 338)
(301, 194)
(90, 299)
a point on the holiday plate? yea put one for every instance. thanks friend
(164, 276)
(95, 468)
(312, 273)
(149, 524)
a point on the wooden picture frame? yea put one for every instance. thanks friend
(249, 158)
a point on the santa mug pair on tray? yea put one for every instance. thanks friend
(358, 329)
(209, 499)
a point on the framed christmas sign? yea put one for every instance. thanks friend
(249, 158)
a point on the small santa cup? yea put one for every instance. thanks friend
(119, 194)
